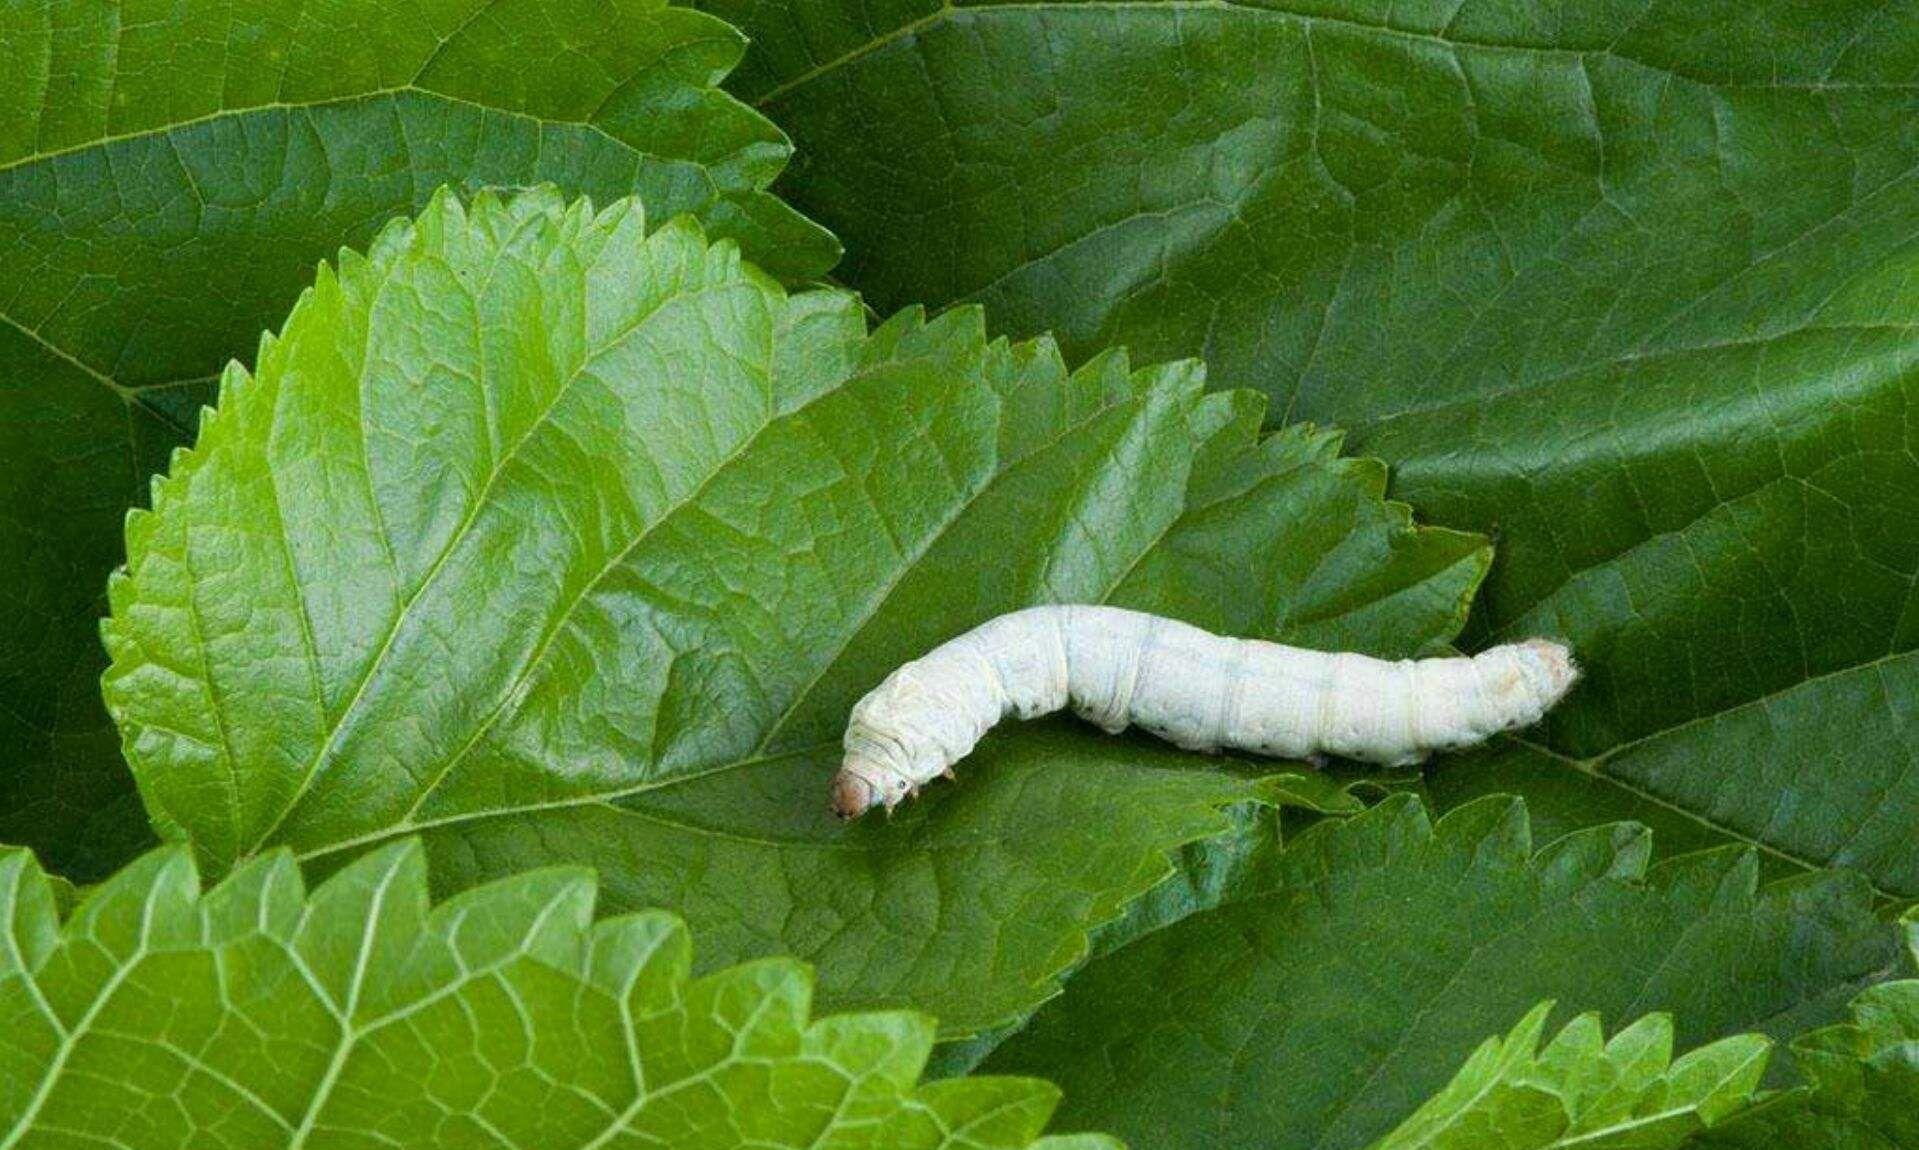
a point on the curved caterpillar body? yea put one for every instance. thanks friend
(1204, 692)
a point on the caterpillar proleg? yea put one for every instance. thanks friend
(1204, 692)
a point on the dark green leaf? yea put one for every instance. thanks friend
(1864, 1090)
(1335, 991)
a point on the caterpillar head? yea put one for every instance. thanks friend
(901, 734)
(853, 795)
(862, 785)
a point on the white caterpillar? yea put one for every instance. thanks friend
(1200, 691)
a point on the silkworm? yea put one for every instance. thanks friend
(1204, 692)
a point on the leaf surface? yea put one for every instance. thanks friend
(1584, 1090)
(168, 180)
(1864, 1088)
(1631, 285)
(549, 539)
(1334, 990)
(255, 1014)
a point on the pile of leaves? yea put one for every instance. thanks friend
(479, 639)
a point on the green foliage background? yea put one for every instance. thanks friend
(1626, 288)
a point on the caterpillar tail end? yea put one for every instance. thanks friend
(1557, 659)
(1554, 669)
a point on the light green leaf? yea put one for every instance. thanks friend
(257, 1015)
(1335, 990)
(552, 540)
(1584, 1091)
(169, 176)
(1631, 285)
(1864, 1093)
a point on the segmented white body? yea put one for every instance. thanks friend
(1120, 668)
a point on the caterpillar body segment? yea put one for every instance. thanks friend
(1118, 668)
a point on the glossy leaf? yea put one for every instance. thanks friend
(257, 1015)
(170, 175)
(1334, 991)
(1629, 285)
(552, 540)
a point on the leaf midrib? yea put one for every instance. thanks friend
(132, 394)
(410, 86)
(949, 9)
(1364, 427)
(610, 802)
(1589, 768)
(344, 1012)
(459, 534)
